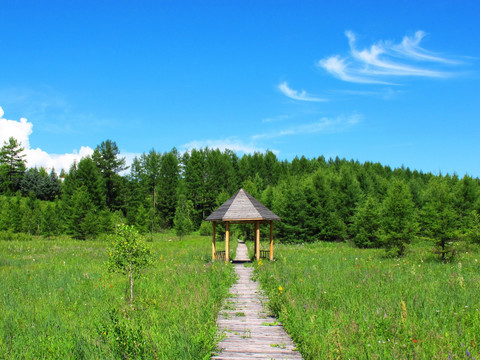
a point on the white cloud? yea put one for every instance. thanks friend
(297, 95)
(410, 48)
(385, 60)
(223, 144)
(338, 68)
(323, 125)
(21, 131)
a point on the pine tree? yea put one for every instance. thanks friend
(473, 230)
(50, 187)
(88, 175)
(12, 214)
(141, 220)
(324, 221)
(439, 218)
(365, 228)
(398, 219)
(183, 224)
(195, 188)
(167, 188)
(82, 220)
(290, 204)
(31, 182)
(106, 157)
(348, 193)
(50, 221)
(12, 165)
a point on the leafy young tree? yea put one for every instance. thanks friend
(12, 165)
(128, 254)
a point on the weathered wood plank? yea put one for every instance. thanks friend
(246, 329)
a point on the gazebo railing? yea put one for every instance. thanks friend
(265, 254)
(220, 255)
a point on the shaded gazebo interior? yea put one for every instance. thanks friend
(242, 208)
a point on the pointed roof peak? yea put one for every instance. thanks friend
(242, 207)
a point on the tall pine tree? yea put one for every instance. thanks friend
(12, 165)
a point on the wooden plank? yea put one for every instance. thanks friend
(246, 329)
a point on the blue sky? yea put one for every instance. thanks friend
(390, 82)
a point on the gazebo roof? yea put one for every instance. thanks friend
(242, 207)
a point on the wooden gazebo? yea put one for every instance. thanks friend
(242, 208)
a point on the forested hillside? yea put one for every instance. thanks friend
(318, 199)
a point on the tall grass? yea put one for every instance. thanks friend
(57, 300)
(339, 302)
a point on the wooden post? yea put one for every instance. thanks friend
(227, 241)
(271, 240)
(257, 240)
(213, 241)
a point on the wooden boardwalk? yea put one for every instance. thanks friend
(249, 333)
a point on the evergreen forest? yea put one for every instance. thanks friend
(366, 204)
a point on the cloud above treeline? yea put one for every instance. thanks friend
(386, 61)
(36, 157)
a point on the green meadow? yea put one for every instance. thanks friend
(57, 300)
(340, 302)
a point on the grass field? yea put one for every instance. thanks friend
(57, 300)
(338, 302)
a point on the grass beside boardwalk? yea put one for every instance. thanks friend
(339, 302)
(57, 300)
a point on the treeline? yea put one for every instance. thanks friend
(367, 203)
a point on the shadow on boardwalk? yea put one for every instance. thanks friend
(249, 333)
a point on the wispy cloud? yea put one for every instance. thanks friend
(324, 125)
(385, 61)
(298, 95)
(233, 144)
